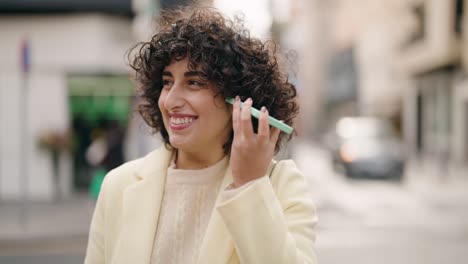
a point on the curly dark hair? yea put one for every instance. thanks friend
(225, 53)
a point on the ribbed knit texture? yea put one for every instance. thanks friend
(189, 198)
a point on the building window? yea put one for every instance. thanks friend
(459, 17)
(420, 14)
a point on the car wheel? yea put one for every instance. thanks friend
(348, 170)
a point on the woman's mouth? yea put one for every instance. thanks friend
(180, 123)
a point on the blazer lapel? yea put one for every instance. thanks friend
(141, 206)
(217, 246)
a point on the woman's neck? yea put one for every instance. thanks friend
(197, 160)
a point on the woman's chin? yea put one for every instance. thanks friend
(179, 143)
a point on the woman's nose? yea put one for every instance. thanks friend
(175, 98)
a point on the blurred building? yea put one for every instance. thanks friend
(60, 61)
(404, 60)
(434, 60)
(362, 44)
(347, 57)
(301, 27)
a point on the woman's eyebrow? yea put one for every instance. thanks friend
(192, 74)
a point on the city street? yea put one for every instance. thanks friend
(361, 221)
(365, 221)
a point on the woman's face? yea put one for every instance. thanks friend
(194, 118)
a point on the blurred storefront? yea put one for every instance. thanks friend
(62, 61)
(100, 109)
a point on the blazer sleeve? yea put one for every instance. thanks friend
(95, 250)
(273, 224)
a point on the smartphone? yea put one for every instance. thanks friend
(271, 120)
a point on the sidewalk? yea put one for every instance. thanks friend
(45, 225)
(437, 183)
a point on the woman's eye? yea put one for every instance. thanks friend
(196, 83)
(167, 83)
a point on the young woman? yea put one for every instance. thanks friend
(212, 193)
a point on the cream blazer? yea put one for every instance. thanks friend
(271, 221)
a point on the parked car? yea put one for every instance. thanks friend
(367, 147)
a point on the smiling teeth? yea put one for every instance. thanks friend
(180, 121)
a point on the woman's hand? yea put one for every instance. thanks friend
(251, 153)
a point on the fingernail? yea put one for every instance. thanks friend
(263, 109)
(237, 98)
(250, 99)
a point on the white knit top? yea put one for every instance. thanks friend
(188, 200)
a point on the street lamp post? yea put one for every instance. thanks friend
(25, 61)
